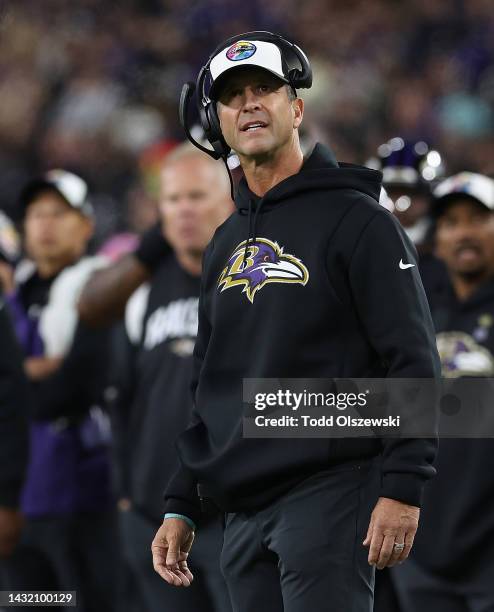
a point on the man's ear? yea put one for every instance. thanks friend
(298, 112)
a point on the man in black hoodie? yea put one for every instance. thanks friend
(454, 574)
(311, 278)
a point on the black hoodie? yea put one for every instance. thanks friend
(331, 302)
(458, 513)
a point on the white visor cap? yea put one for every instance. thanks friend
(72, 188)
(476, 186)
(258, 53)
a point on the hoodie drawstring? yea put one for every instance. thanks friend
(254, 229)
(251, 231)
(249, 216)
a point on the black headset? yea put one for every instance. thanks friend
(298, 78)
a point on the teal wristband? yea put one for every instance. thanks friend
(189, 521)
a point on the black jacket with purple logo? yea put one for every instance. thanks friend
(318, 293)
(458, 509)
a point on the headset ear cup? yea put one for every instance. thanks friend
(214, 121)
(214, 134)
(300, 79)
(204, 121)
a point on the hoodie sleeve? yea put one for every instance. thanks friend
(181, 493)
(392, 306)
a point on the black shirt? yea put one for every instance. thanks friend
(162, 368)
(456, 533)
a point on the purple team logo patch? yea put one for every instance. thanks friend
(263, 263)
(461, 355)
(241, 50)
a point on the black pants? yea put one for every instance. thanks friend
(385, 599)
(423, 591)
(304, 552)
(208, 591)
(72, 553)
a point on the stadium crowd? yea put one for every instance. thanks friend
(103, 292)
(93, 86)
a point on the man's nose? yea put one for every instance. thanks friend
(251, 99)
(186, 207)
(466, 231)
(47, 220)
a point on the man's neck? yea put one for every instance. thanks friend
(48, 268)
(263, 173)
(190, 262)
(465, 286)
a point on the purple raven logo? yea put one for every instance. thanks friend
(264, 263)
(462, 356)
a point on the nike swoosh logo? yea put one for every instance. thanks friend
(404, 266)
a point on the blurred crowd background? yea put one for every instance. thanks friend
(92, 86)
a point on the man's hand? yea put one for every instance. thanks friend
(10, 530)
(170, 549)
(391, 522)
(7, 284)
(37, 368)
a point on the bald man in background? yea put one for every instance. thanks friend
(154, 403)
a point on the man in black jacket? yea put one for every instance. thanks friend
(452, 564)
(69, 530)
(311, 278)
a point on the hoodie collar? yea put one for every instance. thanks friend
(319, 171)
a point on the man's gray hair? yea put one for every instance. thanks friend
(292, 94)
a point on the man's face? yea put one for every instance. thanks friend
(465, 238)
(55, 231)
(194, 201)
(257, 117)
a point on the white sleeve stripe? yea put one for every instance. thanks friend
(135, 311)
